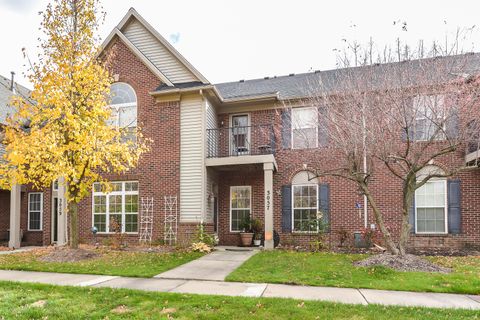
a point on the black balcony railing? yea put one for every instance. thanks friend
(240, 141)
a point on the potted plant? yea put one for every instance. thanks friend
(246, 235)
(257, 229)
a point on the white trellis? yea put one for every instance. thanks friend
(146, 220)
(170, 227)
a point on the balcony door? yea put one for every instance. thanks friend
(240, 135)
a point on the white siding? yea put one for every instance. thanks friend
(157, 53)
(212, 182)
(192, 167)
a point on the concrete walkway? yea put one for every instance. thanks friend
(342, 295)
(215, 266)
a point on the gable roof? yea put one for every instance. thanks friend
(154, 50)
(300, 85)
(6, 94)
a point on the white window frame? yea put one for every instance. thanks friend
(420, 117)
(123, 193)
(230, 139)
(230, 201)
(293, 205)
(120, 106)
(445, 209)
(41, 211)
(307, 127)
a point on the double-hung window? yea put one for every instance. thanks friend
(305, 208)
(304, 128)
(429, 117)
(431, 207)
(119, 205)
(240, 206)
(35, 211)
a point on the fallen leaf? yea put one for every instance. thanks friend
(39, 304)
(120, 309)
(168, 310)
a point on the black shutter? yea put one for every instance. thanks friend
(411, 215)
(410, 121)
(451, 124)
(454, 207)
(322, 127)
(287, 209)
(286, 129)
(324, 204)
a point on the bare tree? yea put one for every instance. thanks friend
(411, 118)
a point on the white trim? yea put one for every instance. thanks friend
(140, 55)
(133, 13)
(121, 193)
(230, 133)
(293, 205)
(445, 209)
(291, 128)
(41, 211)
(230, 205)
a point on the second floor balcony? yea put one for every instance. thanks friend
(240, 141)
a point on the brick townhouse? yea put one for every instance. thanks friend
(216, 151)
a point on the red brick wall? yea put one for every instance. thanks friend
(386, 189)
(159, 170)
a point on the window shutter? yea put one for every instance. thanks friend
(322, 127)
(324, 204)
(287, 208)
(451, 124)
(286, 128)
(410, 122)
(454, 209)
(411, 216)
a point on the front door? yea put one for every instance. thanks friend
(240, 135)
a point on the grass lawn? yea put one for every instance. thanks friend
(336, 270)
(36, 301)
(115, 263)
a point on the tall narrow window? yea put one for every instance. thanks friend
(240, 206)
(429, 117)
(304, 128)
(305, 208)
(431, 207)
(35, 211)
(120, 205)
(124, 107)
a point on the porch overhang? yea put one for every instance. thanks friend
(473, 157)
(241, 160)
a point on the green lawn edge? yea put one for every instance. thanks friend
(336, 270)
(18, 301)
(111, 262)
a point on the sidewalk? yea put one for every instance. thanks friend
(213, 266)
(341, 295)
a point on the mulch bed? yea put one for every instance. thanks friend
(68, 255)
(408, 262)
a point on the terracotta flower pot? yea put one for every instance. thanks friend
(246, 238)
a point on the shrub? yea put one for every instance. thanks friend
(201, 247)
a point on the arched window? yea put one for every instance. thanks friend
(123, 102)
(305, 202)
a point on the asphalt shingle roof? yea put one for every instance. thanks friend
(6, 94)
(301, 85)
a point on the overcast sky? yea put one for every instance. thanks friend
(233, 40)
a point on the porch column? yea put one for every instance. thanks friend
(62, 213)
(15, 195)
(268, 185)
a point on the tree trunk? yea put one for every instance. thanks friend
(408, 194)
(73, 224)
(390, 244)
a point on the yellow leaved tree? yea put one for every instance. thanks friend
(65, 131)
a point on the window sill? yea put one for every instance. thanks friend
(431, 234)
